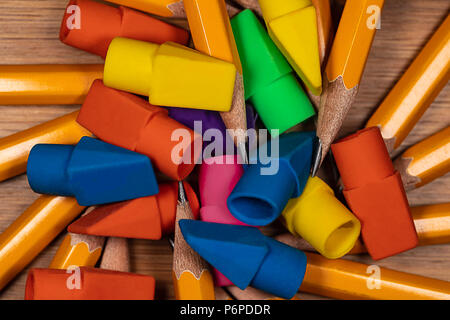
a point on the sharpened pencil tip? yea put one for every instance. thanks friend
(172, 243)
(181, 193)
(317, 158)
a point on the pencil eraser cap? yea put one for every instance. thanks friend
(141, 26)
(322, 220)
(265, 189)
(387, 225)
(217, 178)
(88, 284)
(130, 122)
(173, 148)
(47, 169)
(283, 270)
(237, 253)
(143, 218)
(91, 26)
(375, 193)
(115, 116)
(247, 257)
(129, 65)
(101, 173)
(362, 158)
(183, 77)
(262, 62)
(292, 104)
(272, 10)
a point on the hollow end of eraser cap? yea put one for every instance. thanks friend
(258, 199)
(129, 65)
(322, 220)
(47, 169)
(362, 158)
(292, 104)
(282, 271)
(273, 9)
(98, 25)
(175, 158)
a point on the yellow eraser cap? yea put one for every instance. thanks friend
(183, 77)
(129, 65)
(322, 220)
(295, 34)
(273, 9)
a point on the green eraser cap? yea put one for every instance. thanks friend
(268, 78)
(283, 104)
(262, 62)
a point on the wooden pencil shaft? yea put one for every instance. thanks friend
(46, 84)
(78, 250)
(416, 90)
(26, 237)
(14, 149)
(425, 161)
(343, 279)
(116, 255)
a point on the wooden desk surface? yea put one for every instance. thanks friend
(29, 35)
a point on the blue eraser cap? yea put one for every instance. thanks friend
(102, 173)
(283, 270)
(235, 252)
(247, 257)
(267, 185)
(47, 169)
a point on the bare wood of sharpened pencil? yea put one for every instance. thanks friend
(116, 255)
(250, 4)
(191, 276)
(425, 161)
(184, 258)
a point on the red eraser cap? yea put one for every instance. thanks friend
(387, 226)
(130, 122)
(143, 218)
(375, 193)
(95, 284)
(362, 158)
(99, 24)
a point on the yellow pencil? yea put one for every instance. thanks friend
(425, 161)
(26, 237)
(344, 69)
(46, 84)
(416, 90)
(191, 276)
(14, 149)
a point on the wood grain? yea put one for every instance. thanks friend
(29, 35)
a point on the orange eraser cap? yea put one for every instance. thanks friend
(143, 218)
(130, 122)
(362, 158)
(91, 26)
(88, 284)
(375, 193)
(387, 226)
